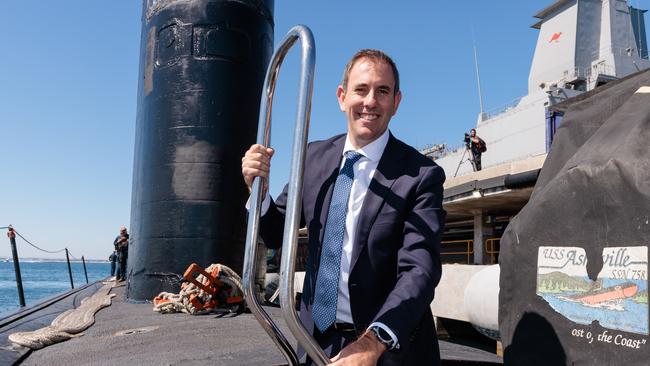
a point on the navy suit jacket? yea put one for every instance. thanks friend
(395, 263)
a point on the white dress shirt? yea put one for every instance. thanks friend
(364, 170)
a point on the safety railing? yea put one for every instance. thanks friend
(12, 234)
(292, 215)
(574, 73)
(453, 245)
(503, 108)
(492, 247)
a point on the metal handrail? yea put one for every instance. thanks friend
(467, 253)
(294, 194)
(490, 248)
(293, 205)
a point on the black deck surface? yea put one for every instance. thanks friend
(35, 317)
(133, 334)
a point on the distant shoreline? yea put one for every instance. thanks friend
(54, 260)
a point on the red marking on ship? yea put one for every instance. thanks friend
(555, 37)
(621, 291)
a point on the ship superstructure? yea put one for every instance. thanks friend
(582, 44)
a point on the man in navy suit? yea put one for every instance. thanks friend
(372, 206)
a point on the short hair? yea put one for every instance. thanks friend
(374, 55)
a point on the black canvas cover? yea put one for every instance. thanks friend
(574, 261)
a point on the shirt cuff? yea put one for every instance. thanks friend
(266, 202)
(387, 330)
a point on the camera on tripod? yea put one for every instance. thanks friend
(467, 139)
(468, 143)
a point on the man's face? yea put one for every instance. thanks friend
(369, 101)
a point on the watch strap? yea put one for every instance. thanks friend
(385, 335)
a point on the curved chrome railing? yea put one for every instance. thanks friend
(292, 215)
(308, 57)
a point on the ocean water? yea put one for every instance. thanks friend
(625, 314)
(42, 280)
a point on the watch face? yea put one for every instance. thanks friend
(384, 335)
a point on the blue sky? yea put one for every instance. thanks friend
(68, 84)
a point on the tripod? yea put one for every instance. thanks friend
(470, 158)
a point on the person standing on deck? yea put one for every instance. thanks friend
(121, 245)
(372, 206)
(477, 147)
(113, 259)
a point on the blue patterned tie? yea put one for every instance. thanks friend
(327, 282)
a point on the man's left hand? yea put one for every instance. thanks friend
(365, 351)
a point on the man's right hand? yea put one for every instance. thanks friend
(257, 163)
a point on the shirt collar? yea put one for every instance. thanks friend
(373, 150)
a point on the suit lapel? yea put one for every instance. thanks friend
(323, 175)
(388, 170)
(332, 160)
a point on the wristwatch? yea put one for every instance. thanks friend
(385, 338)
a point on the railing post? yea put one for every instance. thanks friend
(85, 272)
(67, 258)
(304, 339)
(19, 280)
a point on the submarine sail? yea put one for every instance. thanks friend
(202, 67)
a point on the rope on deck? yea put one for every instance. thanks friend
(192, 299)
(68, 324)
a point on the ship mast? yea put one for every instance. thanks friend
(478, 80)
(481, 116)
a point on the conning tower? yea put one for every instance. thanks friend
(202, 67)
